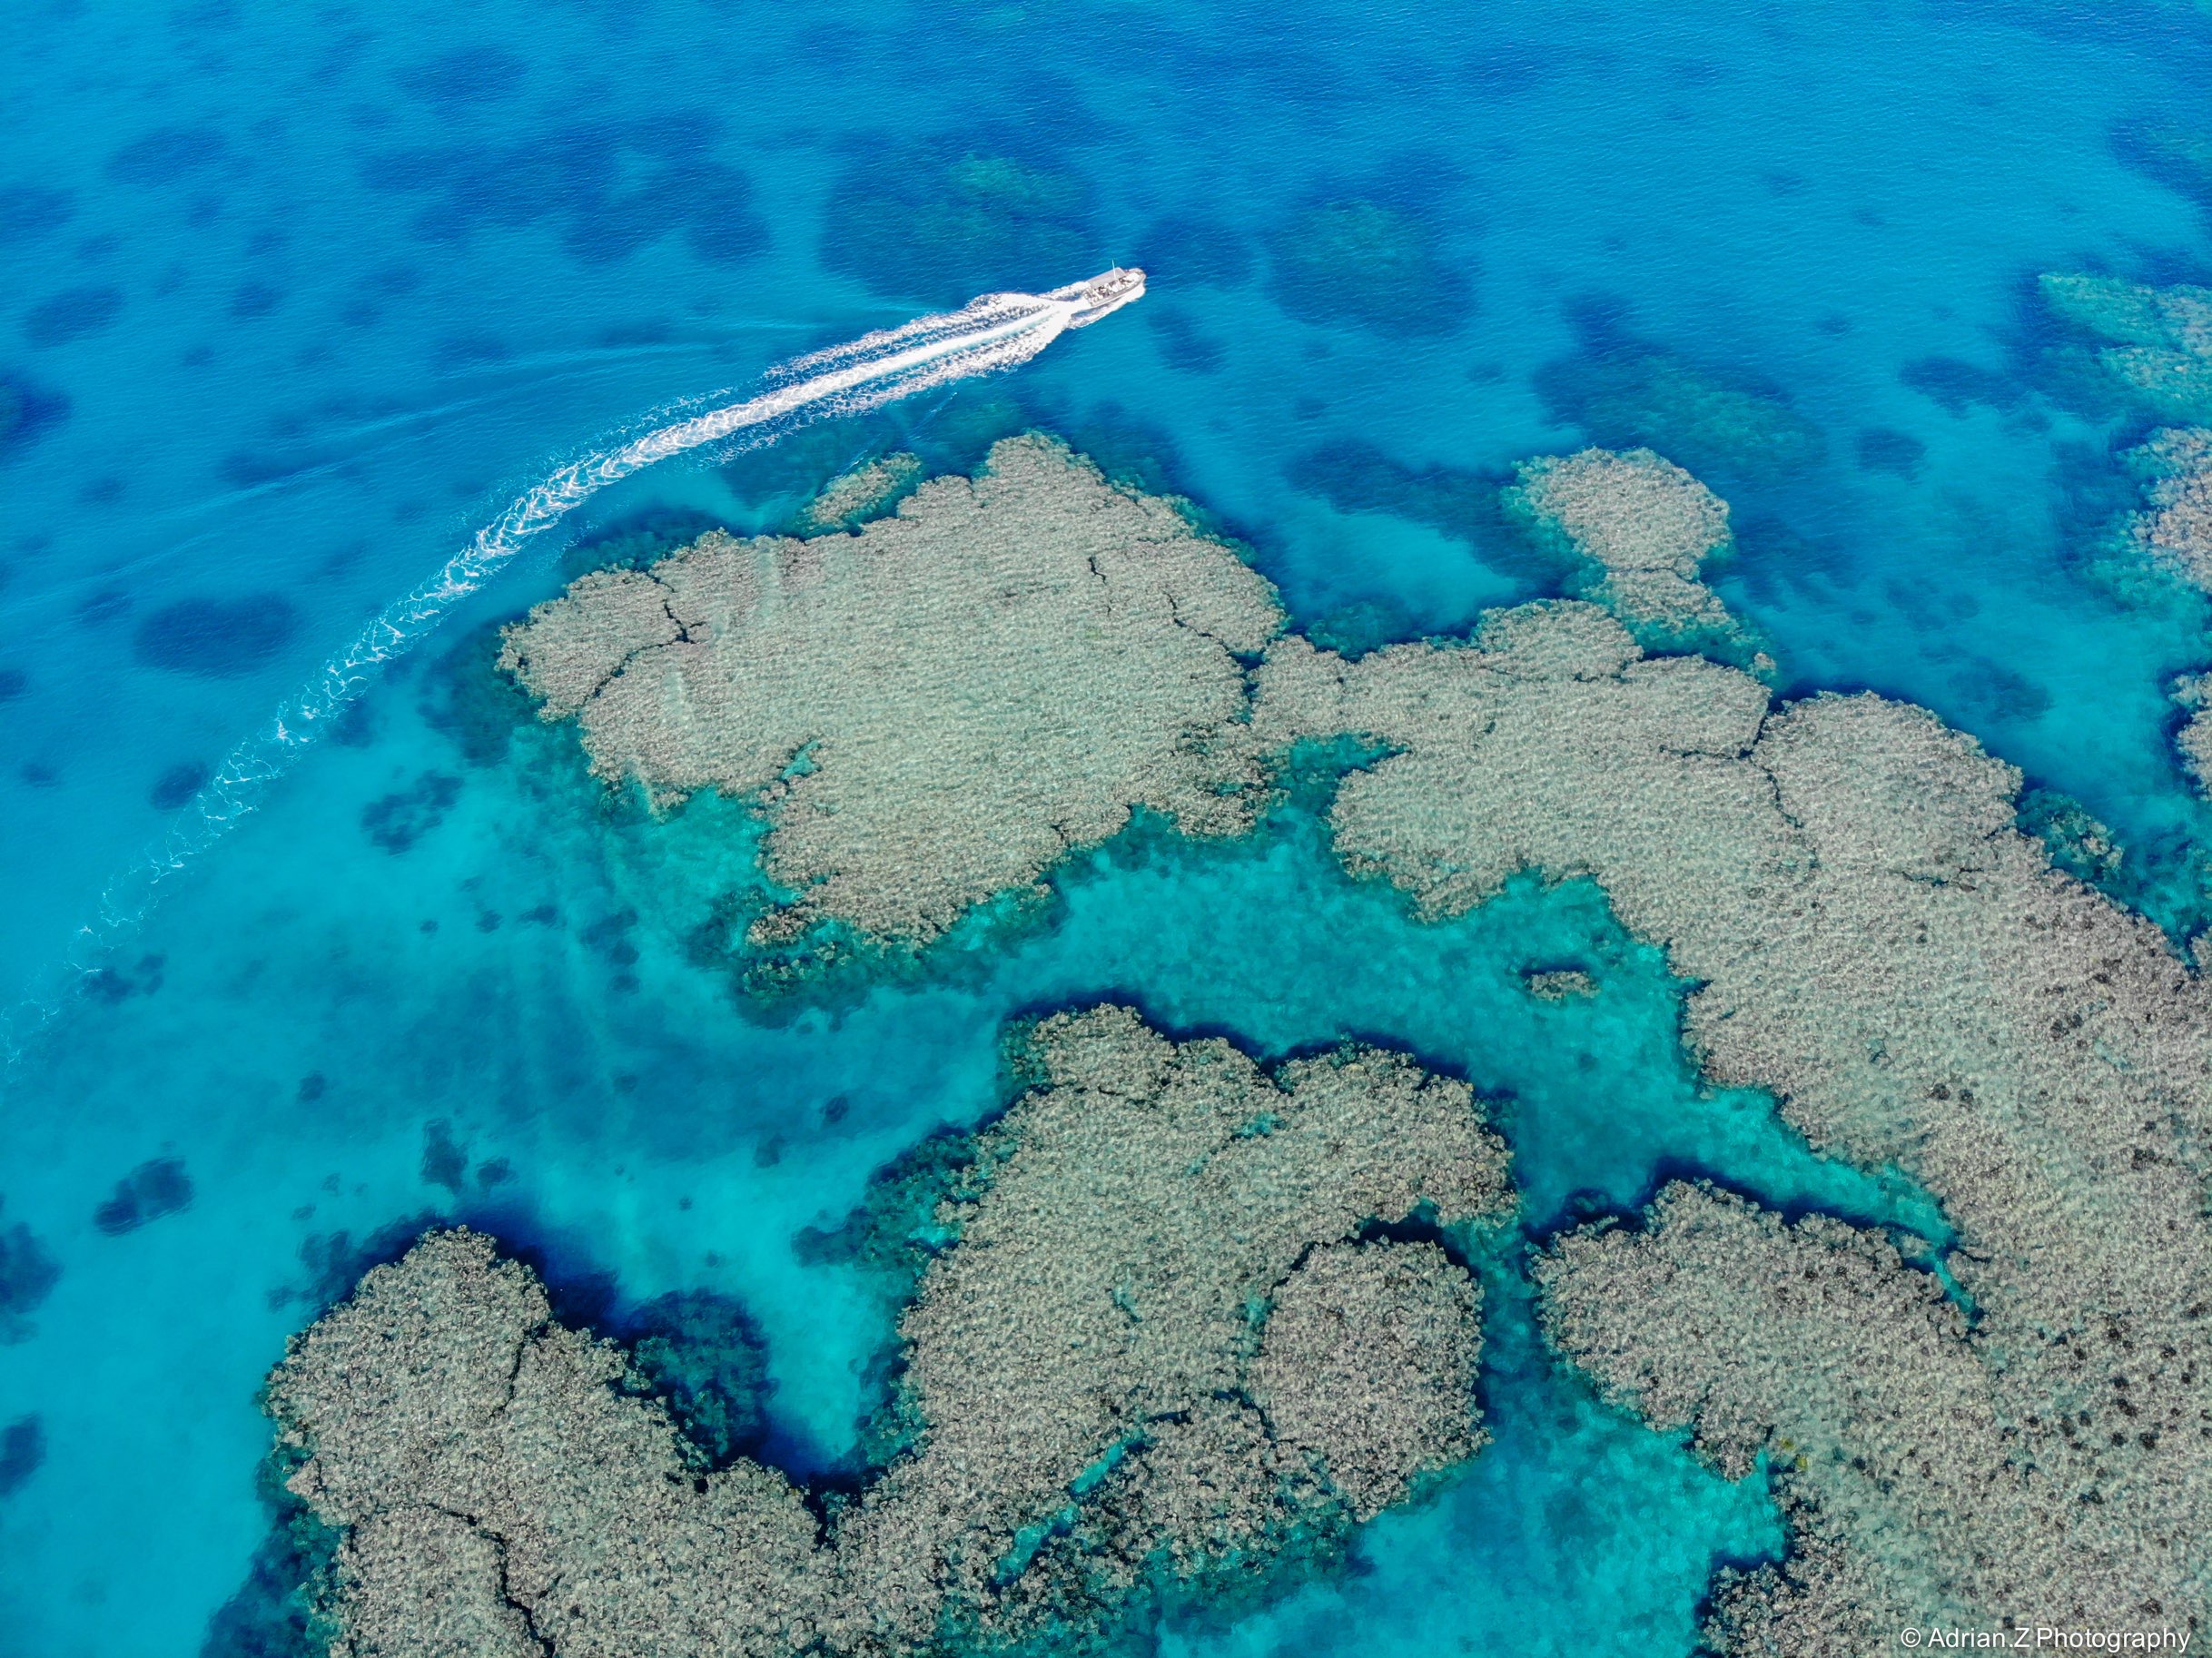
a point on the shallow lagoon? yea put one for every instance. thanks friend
(304, 350)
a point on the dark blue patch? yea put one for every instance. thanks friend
(272, 1615)
(1183, 344)
(1455, 502)
(176, 786)
(33, 210)
(704, 1356)
(255, 299)
(445, 1161)
(1722, 424)
(23, 1448)
(114, 984)
(1186, 249)
(1897, 453)
(217, 638)
(399, 819)
(586, 180)
(468, 74)
(27, 1277)
(960, 215)
(1375, 262)
(103, 492)
(166, 155)
(1957, 385)
(72, 314)
(14, 683)
(720, 223)
(28, 412)
(152, 1189)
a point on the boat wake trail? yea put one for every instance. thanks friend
(990, 334)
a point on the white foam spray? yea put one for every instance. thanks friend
(992, 333)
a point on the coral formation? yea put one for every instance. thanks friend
(27, 1276)
(22, 1451)
(1559, 984)
(934, 710)
(2158, 340)
(2193, 692)
(865, 492)
(396, 821)
(1845, 882)
(27, 410)
(480, 709)
(1370, 264)
(2173, 532)
(217, 638)
(2075, 839)
(178, 783)
(1155, 1345)
(1874, 938)
(704, 1358)
(2168, 538)
(1624, 392)
(1645, 526)
(943, 220)
(154, 1189)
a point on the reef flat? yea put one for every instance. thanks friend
(1642, 527)
(1121, 1370)
(1156, 1345)
(2162, 362)
(1875, 941)
(2157, 343)
(935, 709)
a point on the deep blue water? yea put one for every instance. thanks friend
(295, 299)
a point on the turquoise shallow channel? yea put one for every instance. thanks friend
(293, 301)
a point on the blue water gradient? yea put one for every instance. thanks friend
(297, 297)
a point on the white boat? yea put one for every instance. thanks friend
(1103, 295)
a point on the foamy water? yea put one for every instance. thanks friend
(992, 332)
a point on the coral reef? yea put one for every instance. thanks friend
(704, 1358)
(1624, 392)
(178, 783)
(22, 1451)
(2076, 840)
(396, 821)
(27, 410)
(1642, 526)
(217, 638)
(27, 1276)
(2045, 1462)
(2193, 692)
(478, 709)
(1559, 984)
(2173, 532)
(154, 1189)
(1370, 264)
(935, 709)
(865, 492)
(1154, 1346)
(1845, 882)
(944, 221)
(1874, 938)
(2168, 539)
(2158, 340)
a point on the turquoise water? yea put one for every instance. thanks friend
(297, 301)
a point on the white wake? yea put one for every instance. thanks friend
(993, 332)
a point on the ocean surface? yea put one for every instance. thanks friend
(294, 300)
